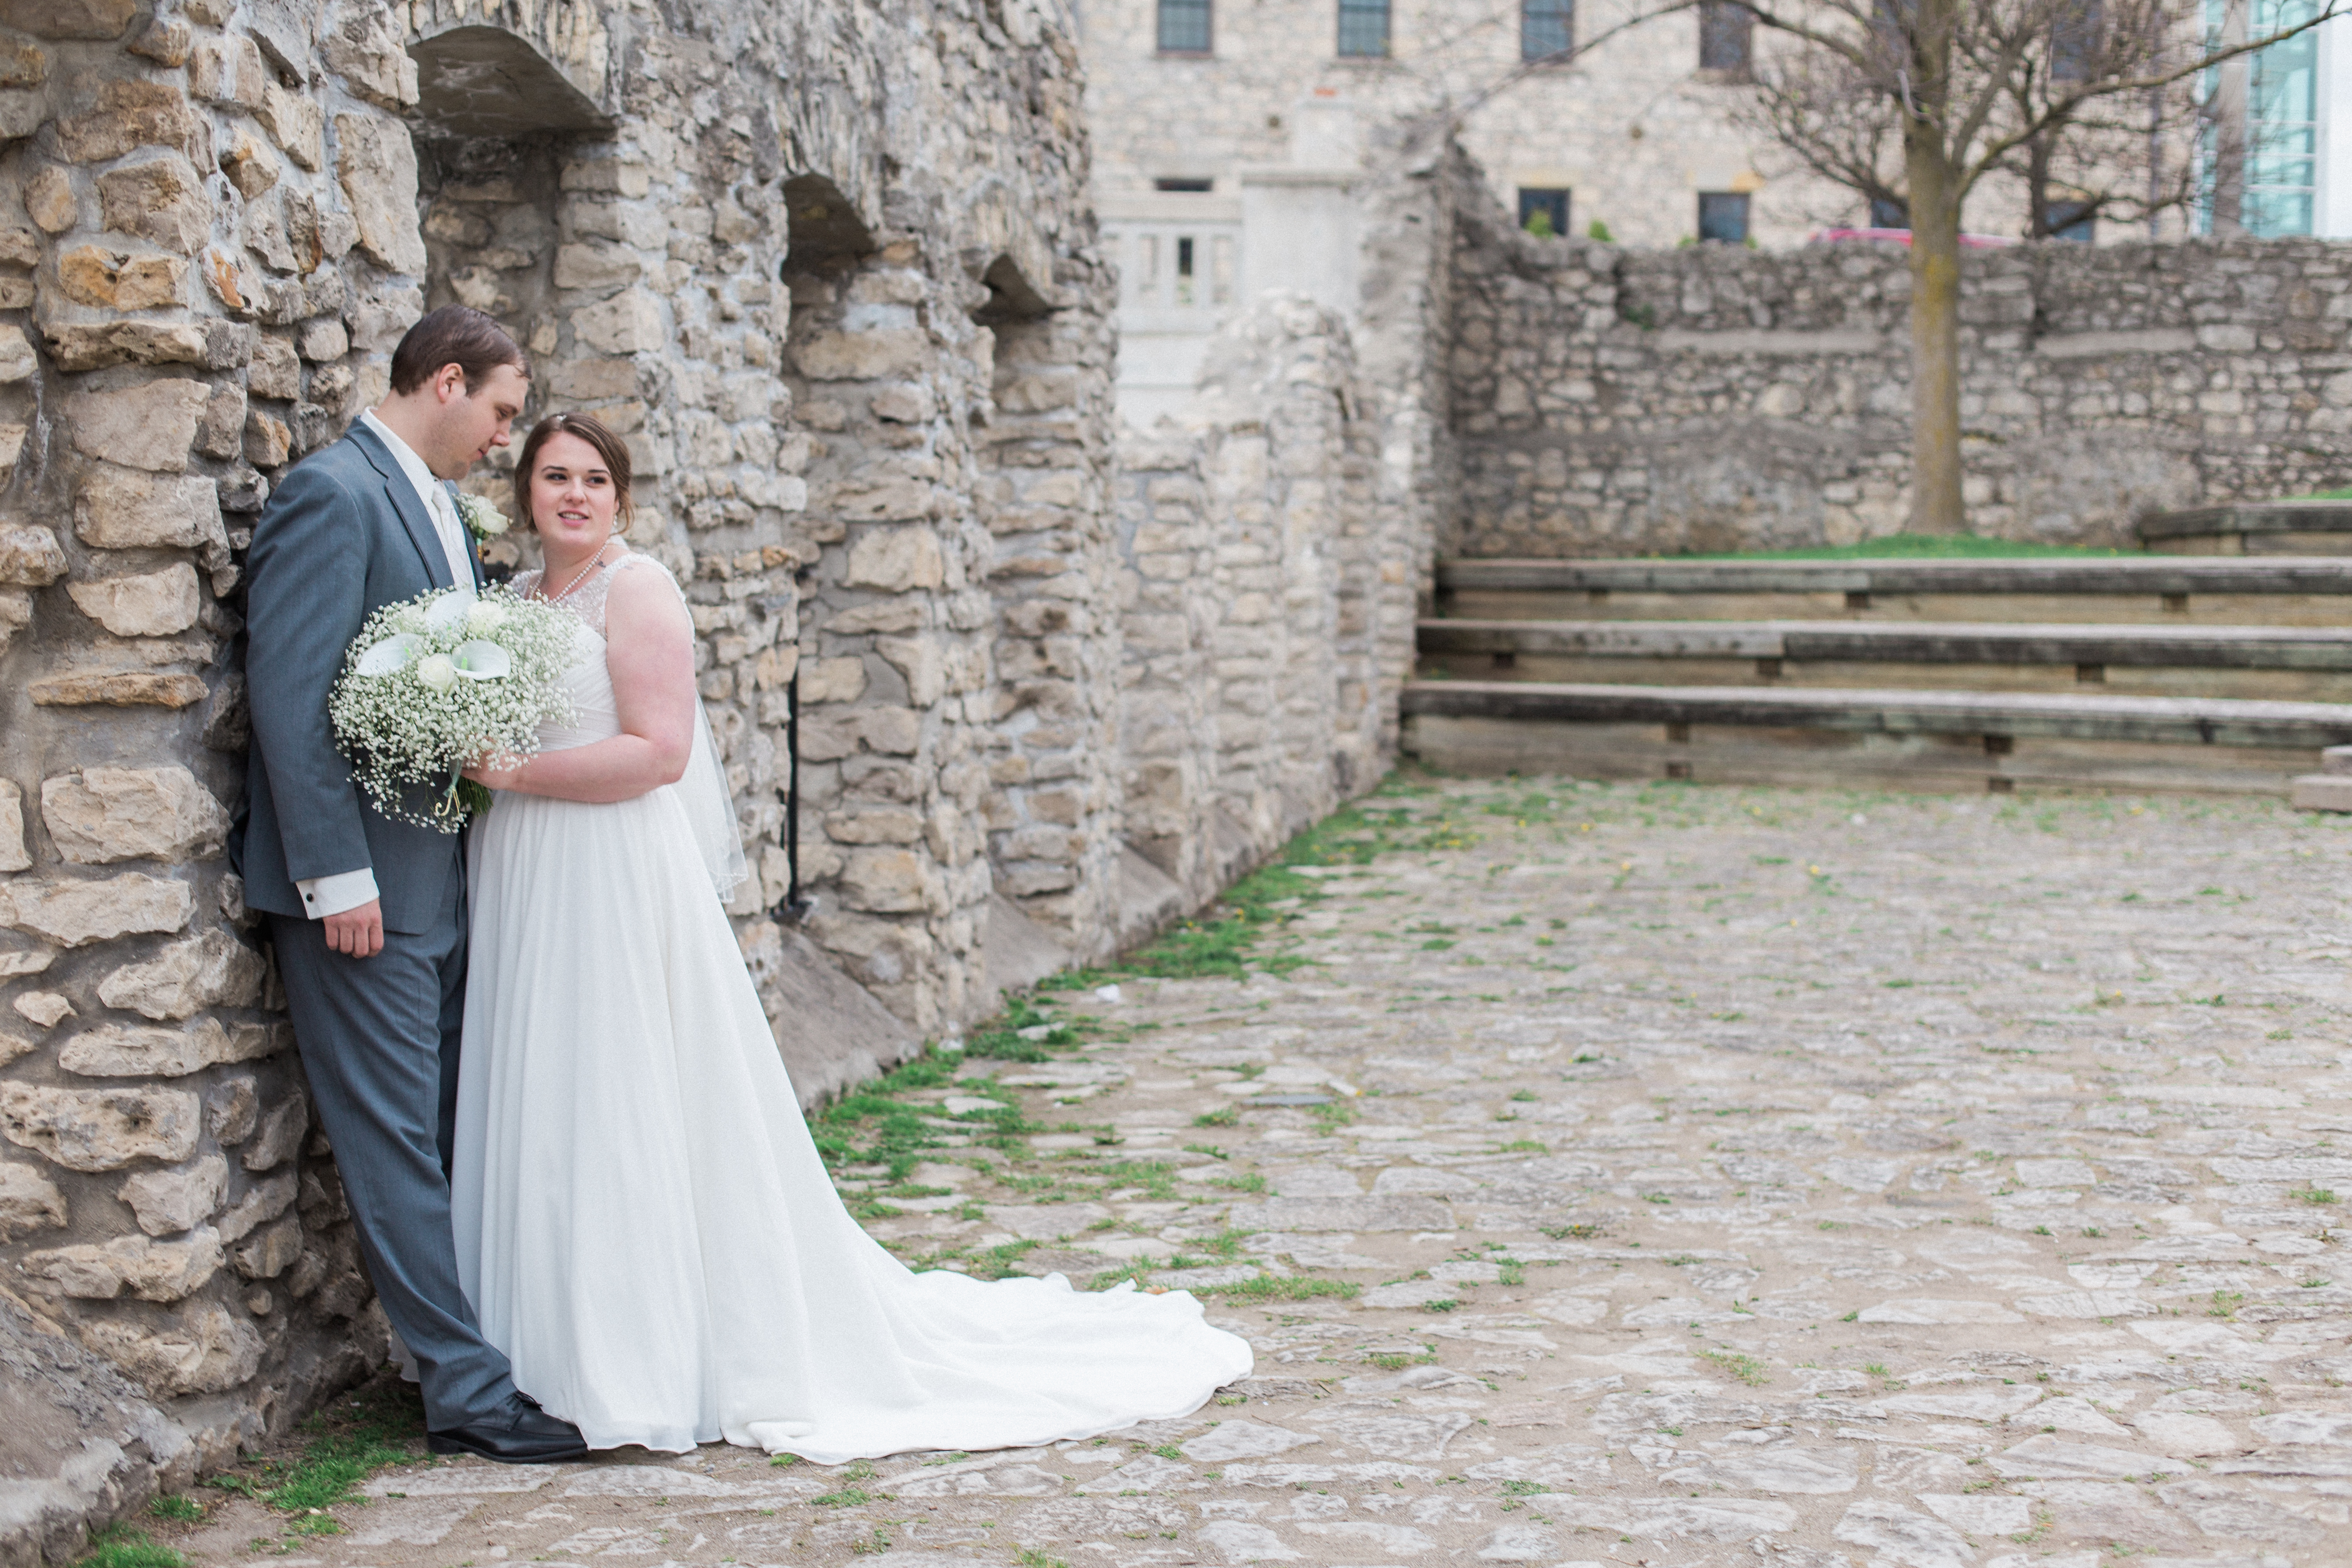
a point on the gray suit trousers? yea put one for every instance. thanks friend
(379, 1039)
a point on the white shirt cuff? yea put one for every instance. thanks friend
(324, 896)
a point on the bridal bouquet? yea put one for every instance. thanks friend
(439, 682)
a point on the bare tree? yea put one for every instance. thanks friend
(1918, 102)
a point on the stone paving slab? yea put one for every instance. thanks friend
(1726, 1177)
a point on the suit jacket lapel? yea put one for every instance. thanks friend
(407, 503)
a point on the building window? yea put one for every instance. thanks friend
(2271, 156)
(2077, 221)
(2074, 37)
(1724, 31)
(1192, 186)
(1543, 213)
(1723, 216)
(1546, 28)
(1364, 28)
(1889, 212)
(1184, 26)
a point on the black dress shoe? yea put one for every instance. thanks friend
(519, 1433)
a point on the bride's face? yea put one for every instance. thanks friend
(572, 497)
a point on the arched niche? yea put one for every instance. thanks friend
(479, 81)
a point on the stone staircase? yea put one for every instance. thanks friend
(2181, 673)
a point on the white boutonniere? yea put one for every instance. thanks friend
(482, 520)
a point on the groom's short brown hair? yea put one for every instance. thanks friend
(458, 335)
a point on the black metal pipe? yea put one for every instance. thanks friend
(796, 905)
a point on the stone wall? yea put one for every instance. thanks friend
(1615, 402)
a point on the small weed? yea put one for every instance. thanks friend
(2316, 1196)
(1746, 1368)
(1447, 1305)
(186, 1509)
(1227, 1117)
(1273, 1287)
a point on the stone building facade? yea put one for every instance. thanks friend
(833, 272)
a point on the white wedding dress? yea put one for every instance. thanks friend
(641, 1222)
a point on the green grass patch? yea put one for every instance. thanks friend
(1915, 547)
(120, 1546)
(1746, 1368)
(1275, 1287)
(350, 1440)
(177, 1506)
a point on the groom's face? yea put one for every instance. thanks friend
(473, 422)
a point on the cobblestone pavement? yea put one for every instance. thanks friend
(1726, 1176)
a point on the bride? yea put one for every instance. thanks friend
(643, 1224)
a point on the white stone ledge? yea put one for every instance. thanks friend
(2083, 345)
(1676, 340)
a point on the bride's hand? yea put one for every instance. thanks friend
(491, 777)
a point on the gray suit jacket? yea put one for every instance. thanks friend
(343, 535)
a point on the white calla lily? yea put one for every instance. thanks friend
(448, 608)
(482, 661)
(389, 656)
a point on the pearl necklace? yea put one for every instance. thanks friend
(594, 561)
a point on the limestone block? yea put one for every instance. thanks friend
(895, 560)
(72, 914)
(232, 1108)
(161, 200)
(265, 1202)
(271, 1251)
(919, 659)
(150, 427)
(886, 881)
(267, 442)
(15, 966)
(13, 856)
(44, 1008)
(279, 1134)
(101, 816)
(94, 275)
(12, 1046)
(298, 126)
(127, 342)
(377, 164)
(99, 1129)
(593, 264)
(169, 1201)
(833, 680)
(214, 970)
(30, 557)
(891, 353)
(156, 604)
(132, 114)
(69, 18)
(888, 825)
(119, 689)
(228, 71)
(22, 64)
(22, 114)
(365, 50)
(30, 1201)
(132, 1050)
(211, 1351)
(50, 200)
(17, 362)
(628, 323)
(595, 380)
(250, 164)
(151, 1270)
(276, 371)
(166, 41)
(119, 510)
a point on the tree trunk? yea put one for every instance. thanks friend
(1936, 506)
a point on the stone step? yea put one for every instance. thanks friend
(2070, 590)
(1915, 642)
(1871, 737)
(2254, 528)
(2292, 663)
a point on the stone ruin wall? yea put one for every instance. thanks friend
(1611, 401)
(841, 294)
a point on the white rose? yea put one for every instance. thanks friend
(436, 672)
(485, 618)
(485, 520)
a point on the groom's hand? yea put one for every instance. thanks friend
(357, 933)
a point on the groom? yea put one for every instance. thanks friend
(369, 915)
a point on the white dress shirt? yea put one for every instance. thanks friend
(344, 890)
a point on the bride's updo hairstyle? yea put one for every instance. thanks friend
(597, 433)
